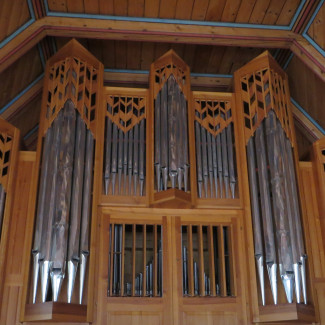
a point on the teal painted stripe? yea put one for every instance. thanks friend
(31, 132)
(288, 61)
(193, 74)
(176, 21)
(305, 32)
(21, 28)
(308, 116)
(4, 108)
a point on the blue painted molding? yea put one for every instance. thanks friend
(288, 61)
(21, 28)
(305, 32)
(319, 128)
(31, 132)
(176, 21)
(4, 108)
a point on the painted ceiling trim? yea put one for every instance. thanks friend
(177, 21)
(305, 32)
(21, 28)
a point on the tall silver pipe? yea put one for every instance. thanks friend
(185, 281)
(62, 212)
(196, 279)
(135, 158)
(204, 160)
(120, 158)
(225, 167)
(130, 160)
(297, 220)
(114, 157)
(49, 209)
(157, 142)
(279, 207)
(215, 164)
(76, 205)
(172, 129)
(108, 149)
(48, 142)
(125, 160)
(142, 153)
(198, 157)
(231, 160)
(86, 210)
(266, 210)
(210, 163)
(185, 139)
(164, 136)
(290, 209)
(257, 228)
(219, 160)
(180, 140)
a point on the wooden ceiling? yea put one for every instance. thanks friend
(214, 37)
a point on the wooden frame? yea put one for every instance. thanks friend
(8, 183)
(70, 51)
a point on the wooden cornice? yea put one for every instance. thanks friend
(162, 32)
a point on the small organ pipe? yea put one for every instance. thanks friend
(164, 136)
(219, 160)
(142, 151)
(185, 139)
(198, 157)
(210, 164)
(114, 156)
(204, 159)
(225, 161)
(108, 150)
(120, 158)
(157, 142)
(130, 159)
(125, 160)
(215, 164)
(135, 158)
(231, 160)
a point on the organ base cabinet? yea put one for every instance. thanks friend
(161, 205)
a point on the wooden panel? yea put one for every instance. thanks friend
(13, 279)
(19, 76)
(307, 89)
(13, 15)
(199, 318)
(317, 29)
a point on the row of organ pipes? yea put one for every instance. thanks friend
(127, 254)
(278, 236)
(215, 162)
(125, 155)
(61, 237)
(171, 138)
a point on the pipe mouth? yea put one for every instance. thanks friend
(271, 270)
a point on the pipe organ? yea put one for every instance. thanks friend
(165, 205)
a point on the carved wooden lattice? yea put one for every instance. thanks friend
(262, 91)
(126, 111)
(213, 115)
(76, 80)
(5, 152)
(170, 64)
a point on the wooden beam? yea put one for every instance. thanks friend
(26, 96)
(21, 44)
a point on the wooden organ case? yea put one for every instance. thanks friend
(165, 205)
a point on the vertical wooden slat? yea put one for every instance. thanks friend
(155, 253)
(190, 260)
(144, 259)
(211, 261)
(233, 287)
(201, 262)
(112, 260)
(222, 266)
(122, 271)
(133, 257)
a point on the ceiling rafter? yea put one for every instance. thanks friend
(164, 32)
